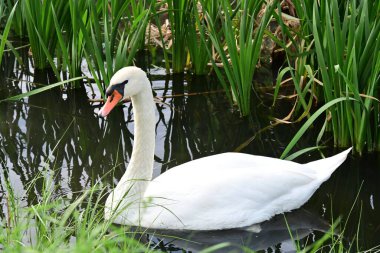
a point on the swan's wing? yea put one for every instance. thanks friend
(225, 191)
(234, 160)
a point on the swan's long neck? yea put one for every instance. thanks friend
(141, 163)
(140, 169)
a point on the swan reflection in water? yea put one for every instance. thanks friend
(273, 234)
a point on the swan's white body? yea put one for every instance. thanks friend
(223, 191)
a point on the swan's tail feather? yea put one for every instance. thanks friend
(325, 167)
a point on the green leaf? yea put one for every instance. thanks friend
(310, 121)
(6, 31)
(301, 152)
(42, 89)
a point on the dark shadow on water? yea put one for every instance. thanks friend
(274, 235)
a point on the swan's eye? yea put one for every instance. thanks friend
(119, 87)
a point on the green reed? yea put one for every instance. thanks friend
(42, 89)
(41, 29)
(188, 51)
(5, 33)
(3, 10)
(299, 55)
(301, 73)
(179, 12)
(238, 44)
(56, 221)
(334, 54)
(108, 48)
(18, 23)
(60, 224)
(337, 57)
(62, 33)
(347, 44)
(196, 46)
(70, 48)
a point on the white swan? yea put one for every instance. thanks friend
(229, 190)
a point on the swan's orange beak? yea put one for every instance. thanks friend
(110, 104)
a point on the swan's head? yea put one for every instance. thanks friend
(126, 82)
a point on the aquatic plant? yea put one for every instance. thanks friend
(239, 47)
(18, 24)
(196, 46)
(333, 54)
(299, 61)
(62, 34)
(337, 56)
(41, 29)
(3, 9)
(186, 48)
(179, 12)
(347, 44)
(70, 48)
(57, 223)
(4, 35)
(107, 48)
(42, 89)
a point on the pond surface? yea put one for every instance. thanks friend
(63, 129)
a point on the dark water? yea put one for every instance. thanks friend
(63, 129)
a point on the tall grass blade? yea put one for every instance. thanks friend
(342, 45)
(42, 89)
(239, 49)
(179, 16)
(308, 123)
(41, 29)
(5, 34)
